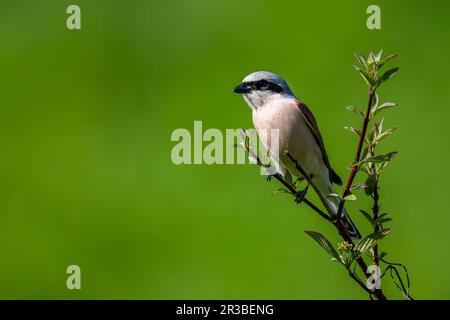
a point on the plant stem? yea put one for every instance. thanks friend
(355, 167)
(342, 230)
(279, 177)
(361, 284)
(376, 211)
(337, 223)
(361, 263)
(293, 191)
(376, 206)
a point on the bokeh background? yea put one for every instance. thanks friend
(85, 124)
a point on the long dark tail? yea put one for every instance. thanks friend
(352, 230)
(334, 206)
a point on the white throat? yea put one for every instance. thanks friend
(258, 99)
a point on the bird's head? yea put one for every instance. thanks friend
(259, 87)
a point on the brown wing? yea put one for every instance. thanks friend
(312, 124)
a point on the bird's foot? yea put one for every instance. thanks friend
(269, 177)
(300, 195)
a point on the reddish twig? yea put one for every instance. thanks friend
(355, 166)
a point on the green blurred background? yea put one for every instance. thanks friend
(86, 119)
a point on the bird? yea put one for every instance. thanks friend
(300, 143)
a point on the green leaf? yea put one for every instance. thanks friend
(382, 218)
(370, 182)
(375, 101)
(299, 181)
(386, 105)
(386, 60)
(324, 243)
(383, 135)
(356, 111)
(367, 215)
(364, 153)
(385, 220)
(383, 157)
(378, 56)
(383, 254)
(377, 159)
(376, 130)
(383, 164)
(350, 197)
(365, 76)
(288, 178)
(371, 59)
(387, 75)
(347, 258)
(370, 241)
(361, 59)
(358, 186)
(372, 63)
(354, 130)
(280, 190)
(334, 259)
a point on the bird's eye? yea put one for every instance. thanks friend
(263, 85)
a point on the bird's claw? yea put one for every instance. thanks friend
(269, 177)
(300, 195)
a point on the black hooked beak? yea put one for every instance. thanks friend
(242, 88)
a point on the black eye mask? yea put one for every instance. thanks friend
(265, 85)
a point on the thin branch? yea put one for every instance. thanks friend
(377, 292)
(376, 212)
(293, 191)
(393, 265)
(355, 166)
(280, 178)
(342, 231)
(375, 197)
(360, 283)
(369, 73)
